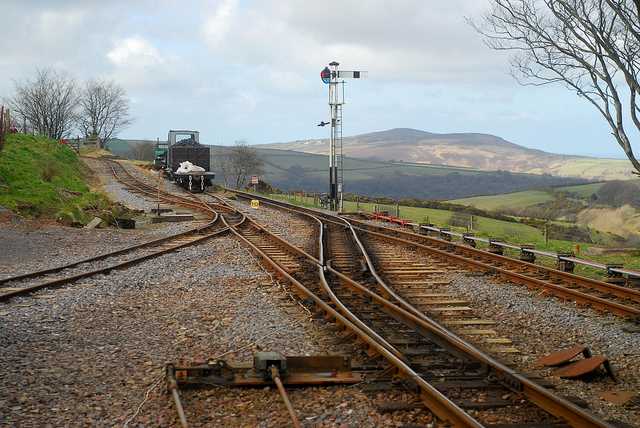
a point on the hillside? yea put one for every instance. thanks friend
(40, 177)
(478, 151)
(291, 170)
(294, 170)
(612, 207)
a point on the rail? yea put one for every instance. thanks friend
(437, 402)
(610, 269)
(467, 255)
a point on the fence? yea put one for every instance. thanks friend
(5, 124)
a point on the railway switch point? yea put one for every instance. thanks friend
(468, 239)
(527, 256)
(565, 265)
(495, 248)
(268, 368)
(614, 277)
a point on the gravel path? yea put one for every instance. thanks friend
(86, 354)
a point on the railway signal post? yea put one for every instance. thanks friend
(334, 78)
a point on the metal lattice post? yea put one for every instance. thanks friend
(334, 78)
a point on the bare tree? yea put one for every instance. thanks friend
(590, 46)
(144, 151)
(46, 104)
(222, 166)
(104, 110)
(243, 161)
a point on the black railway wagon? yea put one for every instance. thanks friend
(189, 150)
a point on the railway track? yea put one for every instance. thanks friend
(210, 227)
(599, 295)
(459, 383)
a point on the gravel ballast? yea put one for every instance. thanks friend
(86, 354)
(296, 229)
(539, 325)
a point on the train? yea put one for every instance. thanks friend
(185, 161)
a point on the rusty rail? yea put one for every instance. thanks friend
(438, 403)
(201, 233)
(472, 258)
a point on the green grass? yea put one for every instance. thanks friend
(40, 177)
(507, 200)
(582, 190)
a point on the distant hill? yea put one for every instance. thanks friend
(478, 151)
(291, 170)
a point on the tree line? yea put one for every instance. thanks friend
(55, 105)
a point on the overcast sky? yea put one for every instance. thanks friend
(249, 70)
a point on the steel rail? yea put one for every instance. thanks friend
(106, 255)
(325, 286)
(439, 404)
(535, 393)
(154, 192)
(611, 268)
(549, 254)
(619, 291)
(66, 280)
(165, 240)
(519, 278)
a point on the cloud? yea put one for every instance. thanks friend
(218, 23)
(134, 52)
(404, 39)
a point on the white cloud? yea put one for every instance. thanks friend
(219, 22)
(134, 52)
(404, 39)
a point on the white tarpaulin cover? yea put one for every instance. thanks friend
(187, 167)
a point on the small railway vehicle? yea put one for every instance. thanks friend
(185, 161)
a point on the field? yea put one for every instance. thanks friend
(590, 168)
(505, 201)
(581, 191)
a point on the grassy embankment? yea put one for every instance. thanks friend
(515, 233)
(41, 178)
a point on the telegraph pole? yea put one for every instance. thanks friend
(335, 79)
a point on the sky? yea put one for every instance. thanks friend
(249, 69)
